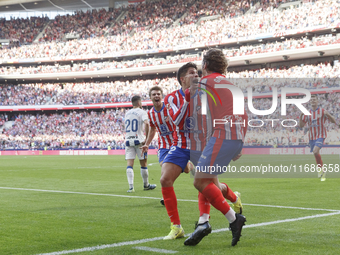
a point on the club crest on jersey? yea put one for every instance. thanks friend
(218, 79)
(190, 123)
(163, 128)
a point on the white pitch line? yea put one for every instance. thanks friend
(281, 221)
(79, 193)
(143, 248)
(80, 167)
(105, 246)
(101, 247)
(157, 198)
(154, 163)
(293, 207)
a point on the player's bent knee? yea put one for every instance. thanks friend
(166, 182)
(199, 183)
(170, 172)
(316, 150)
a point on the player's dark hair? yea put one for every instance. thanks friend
(215, 61)
(314, 95)
(183, 70)
(135, 100)
(157, 88)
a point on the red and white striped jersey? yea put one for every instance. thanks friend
(189, 123)
(225, 125)
(163, 123)
(316, 123)
(178, 111)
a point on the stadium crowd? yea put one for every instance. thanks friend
(151, 27)
(155, 15)
(323, 12)
(270, 131)
(80, 93)
(318, 76)
(288, 44)
(93, 23)
(28, 94)
(56, 131)
(22, 30)
(151, 16)
(3, 119)
(98, 130)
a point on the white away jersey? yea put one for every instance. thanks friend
(134, 119)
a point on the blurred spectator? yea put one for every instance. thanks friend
(24, 30)
(307, 76)
(93, 23)
(268, 20)
(27, 94)
(82, 129)
(288, 44)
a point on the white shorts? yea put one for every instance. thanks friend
(132, 151)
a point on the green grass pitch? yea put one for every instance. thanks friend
(63, 203)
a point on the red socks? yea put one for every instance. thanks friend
(170, 202)
(210, 195)
(203, 204)
(318, 160)
(228, 193)
(214, 195)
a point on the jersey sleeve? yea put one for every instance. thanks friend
(144, 116)
(177, 114)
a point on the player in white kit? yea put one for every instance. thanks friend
(135, 118)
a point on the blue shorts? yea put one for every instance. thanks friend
(180, 157)
(318, 142)
(217, 155)
(161, 153)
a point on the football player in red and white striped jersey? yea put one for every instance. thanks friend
(225, 142)
(181, 151)
(161, 122)
(317, 131)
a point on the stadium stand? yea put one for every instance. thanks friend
(83, 25)
(309, 15)
(75, 93)
(83, 129)
(22, 30)
(288, 44)
(158, 26)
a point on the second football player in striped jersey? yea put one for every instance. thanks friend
(161, 123)
(317, 130)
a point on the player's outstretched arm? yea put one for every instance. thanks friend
(330, 117)
(177, 114)
(146, 129)
(149, 138)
